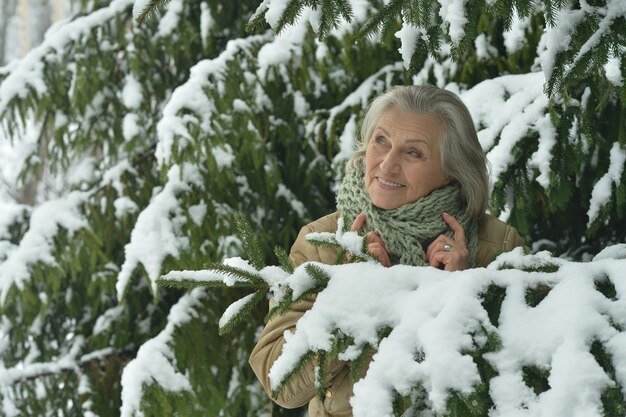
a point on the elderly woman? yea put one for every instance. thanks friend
(418, 188)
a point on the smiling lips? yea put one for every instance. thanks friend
(388, 184)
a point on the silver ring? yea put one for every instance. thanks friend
(447, 247)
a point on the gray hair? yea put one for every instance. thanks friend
(462, 157)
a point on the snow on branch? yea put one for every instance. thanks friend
(155, 361)
(191, 99)
(28, 74)
(438, 318)
(155, 234)
(602, 192)
(37, 245)
(71, 362)
(508, 108)
(428, 327)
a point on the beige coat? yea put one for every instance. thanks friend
(494, 237)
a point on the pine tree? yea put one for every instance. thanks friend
(159, 131)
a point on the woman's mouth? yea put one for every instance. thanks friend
(388, 184)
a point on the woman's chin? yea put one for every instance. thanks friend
(385, 204)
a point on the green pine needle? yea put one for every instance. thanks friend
(250, 279)
(283, 260)
(251, 246)
(320, 276)
(243, 313)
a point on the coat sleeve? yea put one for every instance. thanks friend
(301, 388)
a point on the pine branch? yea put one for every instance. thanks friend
(251, 246)
(152, 6)
(280, 308)
(283, 260)
(236, 272)
(320, 276)
(306, 359)
(191, 283)
(244, 311)
(257, 20)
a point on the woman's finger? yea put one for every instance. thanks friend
(376, 247)
(437, 245)
(358, 222)
(455, 226)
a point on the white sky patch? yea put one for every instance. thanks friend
(601, 193)
(155, 361)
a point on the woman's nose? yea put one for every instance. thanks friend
(390, 163)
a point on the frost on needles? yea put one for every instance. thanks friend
(518, 338)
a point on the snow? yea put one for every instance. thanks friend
(613, 72)
(602, 190)
(224, 156)
(131, 93)
(508, 108)
(234, 309)
(130, 126)
(28, 73)
(346, 143)
(206, 22)
(612, 252)
(295, 204)
(452, 13)
(123, 206)
(440, 314)
(515, 37)
(37, 245)
(155, 234)
(557, 38)
(541, 158)
(190, 97)
(408, 35)
(198, 212)
(155, 362)
(169, 22)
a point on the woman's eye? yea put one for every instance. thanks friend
(416, 154)
(380, 140)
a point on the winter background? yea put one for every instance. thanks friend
(127, 144)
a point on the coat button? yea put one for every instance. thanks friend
(329, 393)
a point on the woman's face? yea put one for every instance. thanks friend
(402, 160)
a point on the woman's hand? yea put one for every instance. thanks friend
(451, 254)
(375, 244)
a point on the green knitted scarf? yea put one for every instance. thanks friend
(408, 229)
